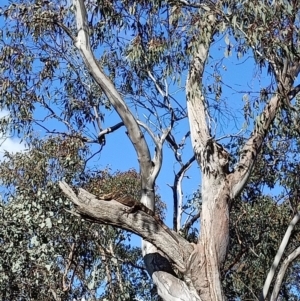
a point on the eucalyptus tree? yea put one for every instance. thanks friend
(46, 253)
(75, 60)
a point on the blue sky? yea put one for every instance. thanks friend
(8, 143)
(238, 76)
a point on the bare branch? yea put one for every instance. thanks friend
(189, 223)
(196, 103)
(175, 147)
(159, 153)
(157, 159)
(109, 130)
(230, 136)
(278, 256)
(177, 193)
(282, 272)
(149, 131)
(97, 119)
(54, 115)
(92, 156)
(162, 93)
(66, 29)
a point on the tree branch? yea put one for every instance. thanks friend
(278, 256)
(190, 222)
(161, 92)
(282, 272)
(134, 133)
(157, 160)
(177, 193)
(116, 214)
(249, 152)
(111, 129)
(252, 147)
(196, 103)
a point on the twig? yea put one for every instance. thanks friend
(101, 135)
(177, 193)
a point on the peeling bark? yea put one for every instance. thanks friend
(200, 264)
(158, 262)
(210, 252)
(113, 213)
(149, 169)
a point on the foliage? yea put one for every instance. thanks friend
(47, 252)
(259, 219)
(146, 49)
(256, 231)
(127, 183)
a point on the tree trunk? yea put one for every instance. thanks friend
(212, 158)
(212, 247)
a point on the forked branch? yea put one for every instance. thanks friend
(282, 272)
(82, 42)
(114, 213)
(278, 257)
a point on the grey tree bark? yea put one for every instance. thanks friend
(199, 263)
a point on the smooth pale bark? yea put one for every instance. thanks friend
(213, 160)
(160, 269)
(200, 264)
(149, 168)
(282, 272)
(277, 259)
(219, 186)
